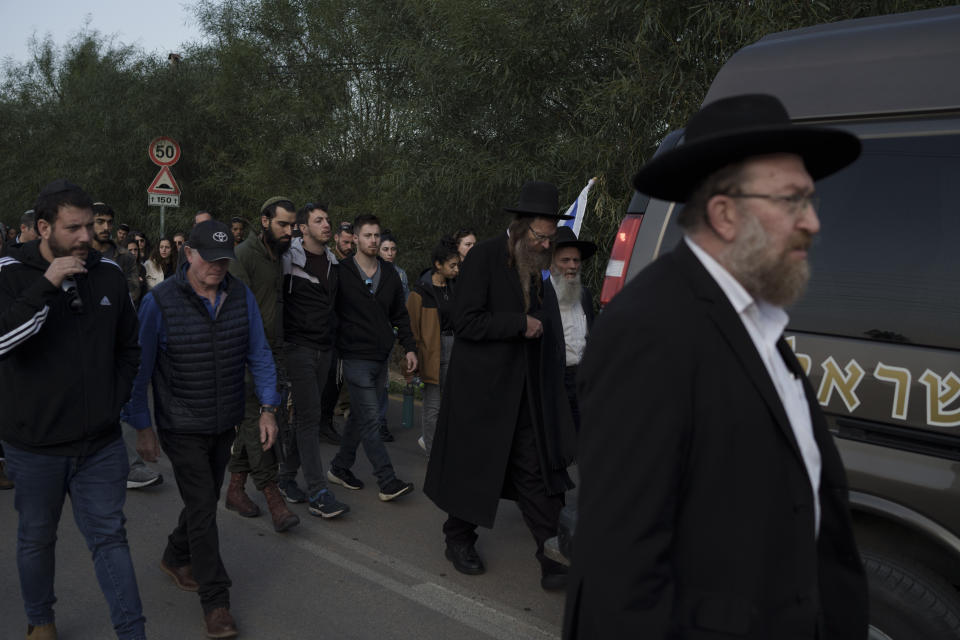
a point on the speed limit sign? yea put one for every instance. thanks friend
(164, 151)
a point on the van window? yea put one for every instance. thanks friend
(886, 264)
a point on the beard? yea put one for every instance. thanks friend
(278, 245)
(59, 251)
(529, 263)
(568, 290)
(766, 274)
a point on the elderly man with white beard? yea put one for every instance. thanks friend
(575, 303)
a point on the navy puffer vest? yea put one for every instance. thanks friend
(198, 385)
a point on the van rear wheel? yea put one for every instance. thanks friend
(908, 601)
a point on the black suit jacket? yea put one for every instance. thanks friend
(696, 515)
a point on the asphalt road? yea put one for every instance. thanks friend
(377, 572)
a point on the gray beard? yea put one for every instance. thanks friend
(568, 290)
(765, 275)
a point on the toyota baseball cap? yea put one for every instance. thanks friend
(212, 240)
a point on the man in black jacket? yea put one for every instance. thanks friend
(310, 287)
(68, 356)
(370, 303)
(573, 314)
(504, 428)
(713, 501)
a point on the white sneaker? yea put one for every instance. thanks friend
(423, 445)
(141, 477)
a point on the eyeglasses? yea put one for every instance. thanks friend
(73, 296)
(369, 283)
(542, 238)
(794, 204)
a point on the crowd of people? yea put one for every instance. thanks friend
(687, 411)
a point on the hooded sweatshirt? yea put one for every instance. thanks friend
(66, 370)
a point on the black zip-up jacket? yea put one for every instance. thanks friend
(308, 318)
(64, 374)
(366, 320)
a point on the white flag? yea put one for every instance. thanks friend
(578, 209)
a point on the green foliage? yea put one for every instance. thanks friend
(430, 113)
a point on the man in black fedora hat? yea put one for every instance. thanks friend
(503, 430)
(713, 501)
(570, 312)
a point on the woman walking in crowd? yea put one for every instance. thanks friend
(161, 264)
(465, 239)
(430, 306)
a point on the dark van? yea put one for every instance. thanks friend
(878, 331)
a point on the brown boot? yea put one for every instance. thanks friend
(42, 632)
(237, 498)
(220, 624)
(5, 482)
(283, 518)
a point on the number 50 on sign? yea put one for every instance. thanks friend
(164, 152)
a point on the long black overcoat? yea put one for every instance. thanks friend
(491, 365)
(696, 516)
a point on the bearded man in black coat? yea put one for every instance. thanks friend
(713, 502)
(505, 428)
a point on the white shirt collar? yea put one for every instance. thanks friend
(769, 319)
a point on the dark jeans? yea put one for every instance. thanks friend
(198, 462)
(365, 379)
(570, 384)
(331, 392)
(97, 485)
(541, 512)
(307, 369)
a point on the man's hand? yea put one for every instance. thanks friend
(147, 445)
(534, 328)
(268, 430)
(62, 268)
(411, 362)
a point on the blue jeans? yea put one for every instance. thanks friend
(365, 380)
(97, 485)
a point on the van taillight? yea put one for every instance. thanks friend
(616, 275)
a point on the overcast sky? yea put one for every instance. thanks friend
(155, 26)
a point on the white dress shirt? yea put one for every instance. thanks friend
(765, 324)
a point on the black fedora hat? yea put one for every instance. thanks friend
(567, 238)
(538, 200)
(733, 129)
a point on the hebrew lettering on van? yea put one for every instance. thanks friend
(845, 385)
(900, 378)
(941, 392)
(802, 358)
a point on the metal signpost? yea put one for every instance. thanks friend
(164, 190)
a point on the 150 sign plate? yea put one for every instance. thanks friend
(155, 200)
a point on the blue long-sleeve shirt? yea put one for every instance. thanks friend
(153, 336)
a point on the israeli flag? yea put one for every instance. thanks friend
(578, 209)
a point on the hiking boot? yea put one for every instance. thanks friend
(283, 518)
(42, 631)
(394, 489)
(344, 478)
(140, 477)
(290, 491)
(326, 505)
(220, 624)
(5, 482)
(385, 435)
(182, 576)
(237, 498)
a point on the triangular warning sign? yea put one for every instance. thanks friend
(164, 184)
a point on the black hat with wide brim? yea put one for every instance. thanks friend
(538, 200)
(567, 238)
(733, 129)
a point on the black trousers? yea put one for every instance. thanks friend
(570, 384)
(541, 512)
(331, 392)
(199, 461)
